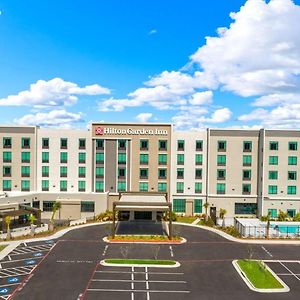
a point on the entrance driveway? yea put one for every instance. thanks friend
(141, 227)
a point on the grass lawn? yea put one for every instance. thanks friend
(2, 247)
(186, 219)
(259, 276)
(140, 261)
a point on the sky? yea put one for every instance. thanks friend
(193, 63)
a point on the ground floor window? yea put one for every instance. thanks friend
(291, 212)
(272, 212)
(36, 204)
(179, 205)
(198, 206)
(87, 206)
(48, 205)
(245, 208)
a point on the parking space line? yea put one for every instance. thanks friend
(132, 283)
(150, 281)
(139, 291)
(171, 251)
(139, 272)
(9, 284)
(289, 270)
(22, 259)
(268, 252)
(287, 274)
(104, 251)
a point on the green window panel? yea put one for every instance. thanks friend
(162, 173)
(221, 160)
(81, 143)
(179, 187)
(122, 144)
(143, 186)
(180, 145)
(198, 159)
(273, 160)
(7, 143)
(45, 157)
(121, 172)
(162, 187)
(63, 157)
(81, 157)
(45, 171)
(179, 205)
(6, 185)
(81, 186)
(25, 157)
(25, 142)
(198, 173)
(273, 175)
(99, 186)
(180, 159)
(63, 171)
(144, 173)
(45, 143)
(273, 145)
(45, 185)
(247, 160)
(162, 145)
(272, 189)
(292, 175)
(63, 143)
(25, 185)
(291, 190)
(121, 186)
(81, 171)
(198, 187)
(180, 173)
(293, 146)
(272, 212)
(87, 206)
(48, 205)
(99, 144)
(144, 144)
(25, 171)
(221, 188)
(199, 145)
(99, 158)
(63, 185)
(221, 145)
(198, 206)
(7, 156)
(246, 174)
(247, 146)
(246, 189)
(292, 160)
(221, 174)
(291, 212)
(245, 208)
(6, 171)
(99, 172)
(144, 159)
(162, 159)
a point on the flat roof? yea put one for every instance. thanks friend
(135, 198)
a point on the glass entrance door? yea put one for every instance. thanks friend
(143, 215)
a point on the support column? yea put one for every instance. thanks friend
(114, 222)
(170, 223)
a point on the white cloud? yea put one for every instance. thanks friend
(53, 93)
(144, 117)
(153, 31)
(54, 118)
(201, 98)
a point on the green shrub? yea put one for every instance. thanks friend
(282, 216)
(105, 216)
(232, 231)
(173, 217)
(297, 217)
(264, 218)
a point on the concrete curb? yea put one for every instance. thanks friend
(9, 248)
(285, 288)
(106, 240)
(103, 263)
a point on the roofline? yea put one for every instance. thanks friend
(131, 123)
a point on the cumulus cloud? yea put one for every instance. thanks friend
(144, 117)
(153, 31)
(53, 93)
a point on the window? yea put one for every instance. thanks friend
(63, 143)
(99, 144)
(220, 188)
(245, 208)
(99, 186)
(99, 172)
(162, 145)
(45, 157)
(246, 174)
(25, 185)
(179, 205)
(121, 172)
(273, 146)
(247, 146)
(292, 160)
(45, 143)
(179, 187)
(25, 157)
(221, 174)
(180, 145)
(36, 204)
(45, 171)
(122, 144)
(199, 146)
(81, 143)
(273, 175)
(197, 206)
(162, 159)
(273, 160)
(99, 158)
(81, 186)
(25, 171)
(198, 159)
(121, 186)
(7, 156)
(292, 175)
(144, 173)
(144, 159)
(180, 159)
(63, 171)
(272, 189)
(247, 160)
(25, 143)
(63, 157)
(48, 205)
(246, 189)
(162, 173)
(272, 212)
(291, 190)
(81, 171)
(6, 171)
(198, 187)
(291, 212)
(144, 144)
(162, 187)
(293, 146)
(7, 142)
(198, 173)
(6, 185)
(45, 185)
(81, 157)
(180, 173)
(63, 185)
(121, 158)
(221, 160)
(87, 206)
(143, 186)
(221, 145)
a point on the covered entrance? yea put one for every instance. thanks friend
(143, 215)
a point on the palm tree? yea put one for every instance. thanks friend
(55, 208)
(7, 221)
(206, 205)
(268, 218)
(223, 212)
(32, 219)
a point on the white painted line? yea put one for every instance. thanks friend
(104, 251)
(171, 251)
(0, 266)
(268, 252)
(140, 291)
(289, 270)
(287, 274)
(150, 281)
(132, 283)
(22, 259)
(8, 284)
(139, 272)
(9, 257)
(147, 283)
(284, 261)
(25, 244)
(13, 253)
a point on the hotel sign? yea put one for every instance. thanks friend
(99, 130)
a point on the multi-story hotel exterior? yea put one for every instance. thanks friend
(246, 172)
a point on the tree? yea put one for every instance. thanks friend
(7, 222)
(268, 224)
(206, 205)
(223, 212)
(55, 208)
(32, 219)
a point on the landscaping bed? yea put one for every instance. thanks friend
(144, 238)
(186, 219)
(2, 247)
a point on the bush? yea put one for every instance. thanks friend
(282, 216)
(173, 217)
(209, 222)
(232, 231)
(105, 216)
(264, 218)
(297, 217)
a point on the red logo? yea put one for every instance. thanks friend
(99, 131)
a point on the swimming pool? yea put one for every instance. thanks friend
(295, 229)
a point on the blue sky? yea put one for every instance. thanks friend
(66, 63)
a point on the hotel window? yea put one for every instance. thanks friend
(81, 143)
(25, 171)
(25, 157)
(143, 173)
(221, 145)
(121, 158)
(162, 159)
(293, 146)
(7, 142)
(143, 186)
(247, 146)
(292, 175)
(198, 159)
(292, 160)
(272, 212)
(180, 173)
(45, 171)
(272, 189)
(144, 144)
(221, 174)
(81, 172)
(122, 144)
(198, 187)
(87, 206)
(63, 143)
(121, 186)
(63, 185)
(6, 171)
(81, 186)
(162, 187)
(273, 175)
(291, 212)
(48, 205)
(179, 187)
(247, 160)
(162, 173)
(199, 145)
(162, 145)
(198, 173)
(45, 157)
(63, 171)
(99, 158)
(180, 145)
(144, 159)
(221, 188)
(221, 160)
(81, 157)
(245, 208)
(25, 185)
(6, 185)
(99, 144)
(63, 157)
(45, 185)
(291, 190)
(273, 160)
(25, 143)
(99, 172)
(99, 186)
(273, 146)
(197, 206)
(246, 174)
(121, 173)
(45, 143)
(7, 156)
(179, 205)
(180, 159)
(246, 189)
